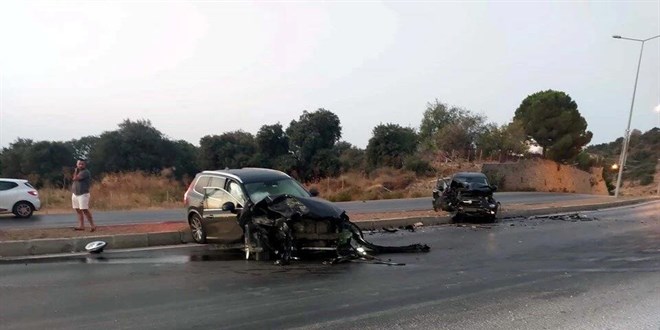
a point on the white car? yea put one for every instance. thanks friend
(19, 197)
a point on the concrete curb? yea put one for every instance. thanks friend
(72, 245)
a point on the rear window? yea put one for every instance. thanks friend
(28, 184)
(201, 183)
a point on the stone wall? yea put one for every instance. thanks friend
(545, 175)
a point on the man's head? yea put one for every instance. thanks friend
(81, 164)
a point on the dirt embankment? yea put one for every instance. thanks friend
(545, 175)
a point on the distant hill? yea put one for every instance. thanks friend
(643, 154)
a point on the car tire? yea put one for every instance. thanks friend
(197, 228)
(23, 210)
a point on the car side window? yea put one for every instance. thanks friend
(217, 181)
(235, 190)
(217, 197)
(6, 185)
(201, 183)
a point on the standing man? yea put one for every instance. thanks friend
(80, 195)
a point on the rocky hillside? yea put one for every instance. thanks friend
(545, 175)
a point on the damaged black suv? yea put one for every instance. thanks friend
(468, 194)
(271, 215)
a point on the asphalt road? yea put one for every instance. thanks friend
(413, 204)
(601, 272)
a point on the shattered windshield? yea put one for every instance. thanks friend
(259, 190)
(472, 179)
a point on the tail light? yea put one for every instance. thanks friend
(33, 193)
(185, 195)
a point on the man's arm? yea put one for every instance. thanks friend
(84, 174)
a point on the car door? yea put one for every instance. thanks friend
(220, 225)
(440, 195)
(7, 195)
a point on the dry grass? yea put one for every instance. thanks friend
(121, 191)
(138, 190)
(383, 183)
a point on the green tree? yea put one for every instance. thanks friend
(272, 147)
(390, 145)
(313, 133)
(325, 163)
(13, 158)
(50, 162)
(505, 140)
(436, 116)
(184, 159)
(350, 157)
(230, 150)
(551, 118)
(461, 136)
(43, 162)
(136, 145)
(449, 128)
(82, 147)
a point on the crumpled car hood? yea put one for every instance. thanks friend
(308, 207)
(274, 222)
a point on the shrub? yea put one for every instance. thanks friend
(646, 180)
(419, 166)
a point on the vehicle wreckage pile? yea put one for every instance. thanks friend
(284, 227)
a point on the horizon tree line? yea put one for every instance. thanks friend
(310, 148)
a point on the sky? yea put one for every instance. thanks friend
(70, 69)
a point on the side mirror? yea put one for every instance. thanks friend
(229, 206)
(493, 188)
(314, 192)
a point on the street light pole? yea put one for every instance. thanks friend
(657, 173)
(626, 137)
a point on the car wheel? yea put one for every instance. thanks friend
(23, 210)
(197, 229)
(254, 246)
